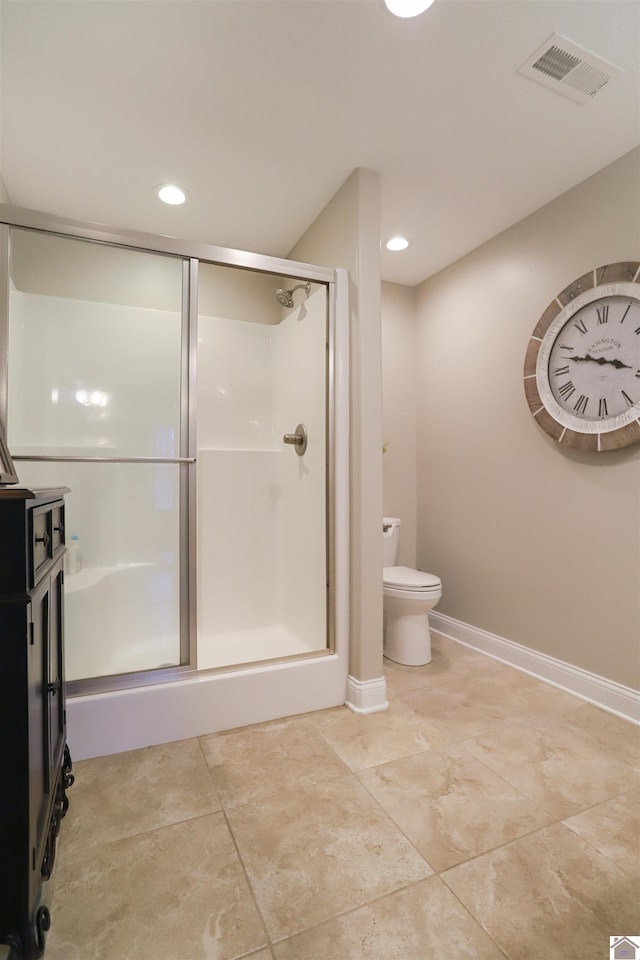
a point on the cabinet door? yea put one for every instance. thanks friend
(39, 765)
(55, 686)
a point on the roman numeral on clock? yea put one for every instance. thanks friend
(602, 408)
(581, 326)
(566, 390)
(625, 313)
(581, 404)
(627, 398)
(603, 313)
(562, 370)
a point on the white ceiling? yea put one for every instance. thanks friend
(262, 109)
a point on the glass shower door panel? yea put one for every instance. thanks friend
(261, 508)
(94, 343)
(122, 601)
(95, 375)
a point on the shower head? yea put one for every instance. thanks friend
(285, 297)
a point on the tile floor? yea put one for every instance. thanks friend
(484, 814)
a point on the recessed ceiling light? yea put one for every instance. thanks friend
(170, 193)
(408, 8)
(397, 243)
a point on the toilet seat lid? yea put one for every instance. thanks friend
(408, 578)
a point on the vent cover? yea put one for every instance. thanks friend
(568, 69)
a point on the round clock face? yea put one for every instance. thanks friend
(582, 371)
(593, 367)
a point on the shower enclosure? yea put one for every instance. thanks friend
(170, 387)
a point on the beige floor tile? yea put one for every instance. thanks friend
(128, 793)
(455, 707)
(561, 767)
(451, 806)
(421, 922)
(465, 659)
(401, 679)
(613, 828)
(248, 765)
(364, 740)
(471, 702)
(314, 852)
(447, 658)
(177, 893)
(548, 896)
(606, 732)
(523, 697)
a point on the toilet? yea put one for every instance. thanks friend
(408, 597)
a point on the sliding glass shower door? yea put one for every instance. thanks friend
(94, 403)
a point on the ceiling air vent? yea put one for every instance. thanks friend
(568, 69)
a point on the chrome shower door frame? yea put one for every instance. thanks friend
(192, 254)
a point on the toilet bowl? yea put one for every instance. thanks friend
(408, 596)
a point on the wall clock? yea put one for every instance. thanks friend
(582, 367)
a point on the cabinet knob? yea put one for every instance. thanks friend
(53, 687)
(60, 529)
(44, 539)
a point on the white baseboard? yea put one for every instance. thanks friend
(366, 696)
(613, 697)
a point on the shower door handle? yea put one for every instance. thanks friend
(297, 439)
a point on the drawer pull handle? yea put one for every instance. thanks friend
(43, 539)
(53, 687)
(60, 529)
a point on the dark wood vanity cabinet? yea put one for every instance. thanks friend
(34, 759)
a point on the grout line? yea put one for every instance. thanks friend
(475, 856)
(361, 906)
(474, 917)
(287, 785)
(249, 884)
(397, 825)
(385, 896)
(590, 843)
(209, 772)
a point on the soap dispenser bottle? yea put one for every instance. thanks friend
(73, 555)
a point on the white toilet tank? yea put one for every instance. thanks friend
(390, 539)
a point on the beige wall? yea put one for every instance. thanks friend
(534, 542)
(399, 382)
(347, 234)
(4, 196)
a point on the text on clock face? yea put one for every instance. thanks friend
(594, 364)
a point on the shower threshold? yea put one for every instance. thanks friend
(252, 645)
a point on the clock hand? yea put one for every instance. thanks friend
(618, 364)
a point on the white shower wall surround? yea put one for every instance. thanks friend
(261, 508)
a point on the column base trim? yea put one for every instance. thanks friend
(366, 696)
